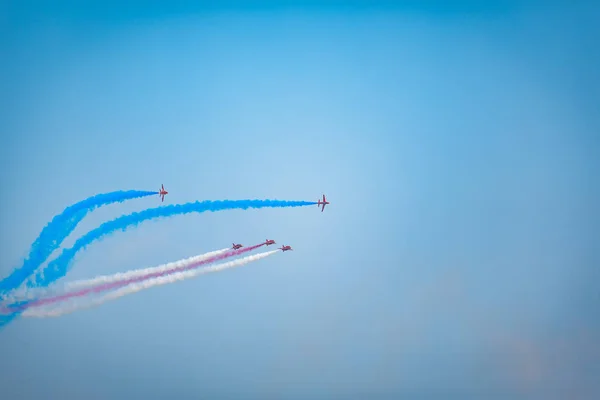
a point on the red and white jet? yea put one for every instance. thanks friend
(285, 248)
(162, 192)
(236, 246)
(324, 203)
(269, 242)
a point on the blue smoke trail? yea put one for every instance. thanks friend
(5, 319)
(59, 267)
(58, 229)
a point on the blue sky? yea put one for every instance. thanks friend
(459, 148)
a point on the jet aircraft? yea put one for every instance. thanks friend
(323, 203)
(162, 192)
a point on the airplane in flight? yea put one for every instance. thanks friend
(269, 242)
(324, 203)
(162, 192)
(285, 248)
(236, 246)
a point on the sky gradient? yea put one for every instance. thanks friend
(458, 146)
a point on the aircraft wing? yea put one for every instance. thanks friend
(323, 208)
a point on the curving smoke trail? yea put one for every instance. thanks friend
(59, 267)
(134, 279)
(121, 276)
(21, 296)
(76, 304)
(58, 229)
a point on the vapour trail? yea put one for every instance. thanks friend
(114, 285)
(76, 304)
(121, 276)
(35, 293)
(59, 267)
(55, 232)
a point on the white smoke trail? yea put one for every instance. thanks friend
(142, 271)
(24, 293)
(76, 304)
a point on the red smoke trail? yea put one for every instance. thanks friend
(114, 285)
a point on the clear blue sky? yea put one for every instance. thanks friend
(458, 145)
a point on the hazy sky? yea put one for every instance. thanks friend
(459, 147)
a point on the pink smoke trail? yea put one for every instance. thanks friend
(114, 285)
